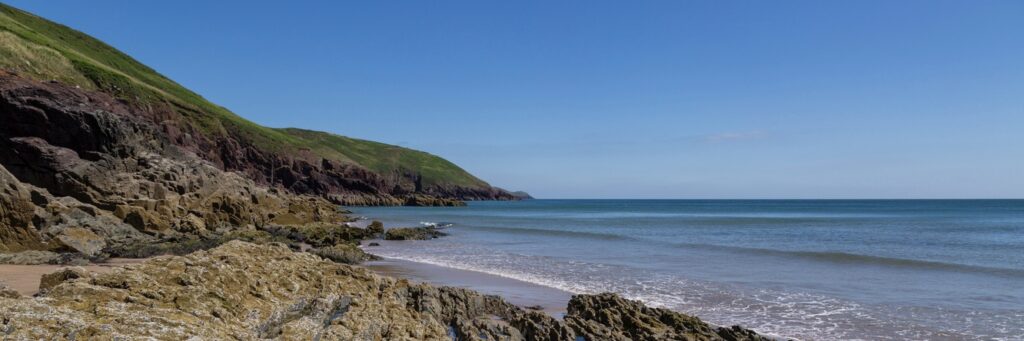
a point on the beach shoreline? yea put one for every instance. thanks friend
(526, 295)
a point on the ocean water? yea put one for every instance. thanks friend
(806, 269)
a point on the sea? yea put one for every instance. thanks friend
(802, 269)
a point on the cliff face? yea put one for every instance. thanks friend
(340, 169)
(98, 151)
(81, 172)
(244, 291)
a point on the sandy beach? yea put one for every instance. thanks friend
(523, 294)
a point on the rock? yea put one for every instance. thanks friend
(17, 232)
(7, 292)
(236, 291)
(82, 171)
(192, 224)
(413, 233)
(91, 136)
(84, 241)
(376, 228)
(373, 244)
(344, 253)
(30, 258)
(245, 291)
(610, 317)
(51, 280)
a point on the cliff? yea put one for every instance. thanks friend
(340, 169)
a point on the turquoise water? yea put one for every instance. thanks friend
(809, 269)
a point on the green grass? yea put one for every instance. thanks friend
(384, 158)
(45, 50)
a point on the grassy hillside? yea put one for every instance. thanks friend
(384, 158)
(45, 50)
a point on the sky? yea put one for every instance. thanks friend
(615, 99)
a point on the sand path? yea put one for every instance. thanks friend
(25, 278)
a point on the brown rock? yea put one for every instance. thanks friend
(610, 317)
(246, 291)
(17, 232)
(60, 276)
(33, 257)
(84, 241)
(375, 228)
(7, 292)
(344, 253)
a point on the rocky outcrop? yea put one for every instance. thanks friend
(52, 279)
(344, 253)
(16, 213)
(610, 317)
(32, 219)
(55, 128)
(413, 233)
(246, 291)
(375, 228)
(82, 172)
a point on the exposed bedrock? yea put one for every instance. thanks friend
(98, 127)
(80, 173)
(247, 291)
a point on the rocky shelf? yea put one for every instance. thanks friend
(247, 291)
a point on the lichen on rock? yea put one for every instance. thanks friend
(246, 291)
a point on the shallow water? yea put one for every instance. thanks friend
(809, 269)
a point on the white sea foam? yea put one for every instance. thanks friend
(814, 270)
(771, 312)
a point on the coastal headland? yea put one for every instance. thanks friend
(237, 227)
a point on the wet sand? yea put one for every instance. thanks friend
(523, 294)
(25, 278)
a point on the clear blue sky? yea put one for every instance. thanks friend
(614, 99)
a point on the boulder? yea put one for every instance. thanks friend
(52, 279)
(84, 241)
(375, 228)
(413, 233)
(344, 253)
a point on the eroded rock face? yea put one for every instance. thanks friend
(246, 291)
(83, 172)
(16, 213)
(77, 124)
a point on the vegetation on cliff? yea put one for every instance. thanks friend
(300, 160)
